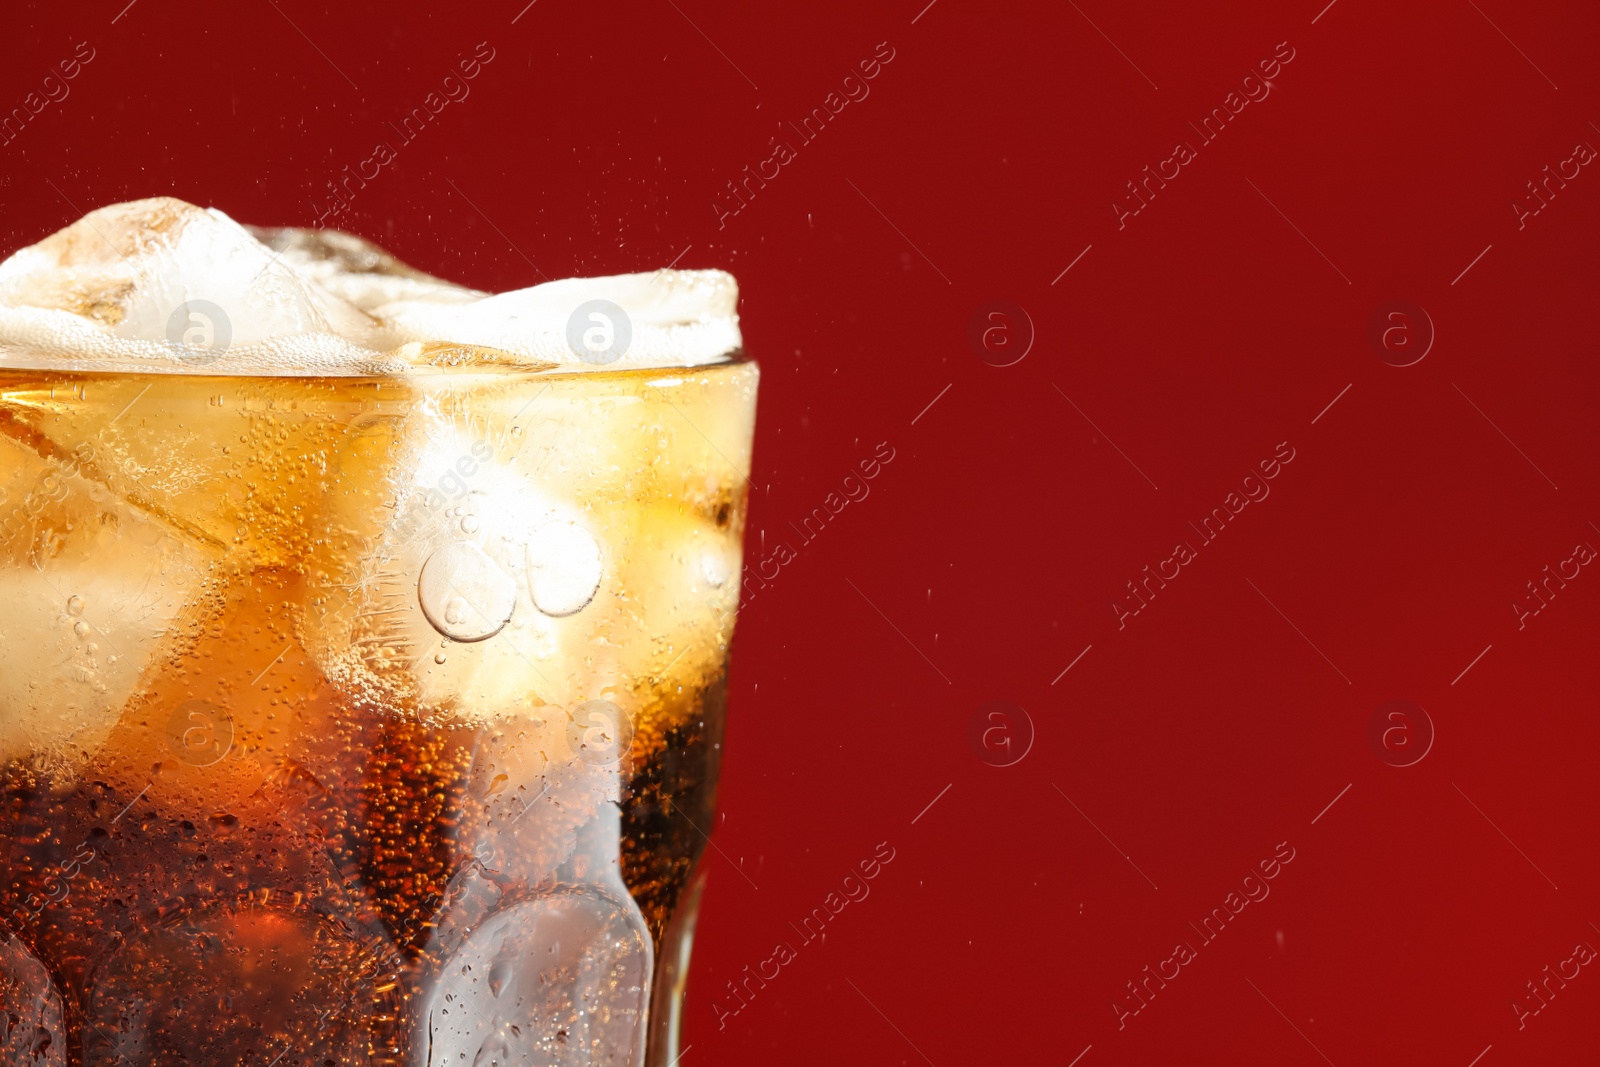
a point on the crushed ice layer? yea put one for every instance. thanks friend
(162, 286)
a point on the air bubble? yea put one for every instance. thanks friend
(80, 628)
(564, 568)
(469, 524)
(74, 605)
(464, 594)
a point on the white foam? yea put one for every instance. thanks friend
(162, 286)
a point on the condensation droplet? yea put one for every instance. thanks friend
(464, 594)
(438, 657)
(74, 605)
(500, 975)
(80, 628)
(564, 568)
(469, 524)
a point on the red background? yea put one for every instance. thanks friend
(1226, 715)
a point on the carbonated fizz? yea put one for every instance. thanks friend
(365, 650)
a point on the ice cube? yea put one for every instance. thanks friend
(660, 461)
(169, 286)
(676, 624)
(356, 270)
(95, 593)
(679, 318)
(277, 470)
(443, 617)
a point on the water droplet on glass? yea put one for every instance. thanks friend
(74, 605)
(500, 975)
(80, 628)
(564, 568)
(464, 594)
(469, 524)
(438, 657)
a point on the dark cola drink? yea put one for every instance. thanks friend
(367, 647)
